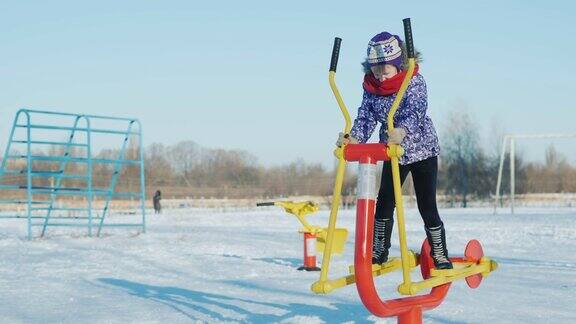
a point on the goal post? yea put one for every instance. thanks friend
(510, 140)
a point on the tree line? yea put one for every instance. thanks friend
(467, 170)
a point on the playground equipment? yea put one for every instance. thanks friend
(314, 236)
(54, 179)
(472, 267)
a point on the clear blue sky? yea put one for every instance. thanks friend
(252, 75)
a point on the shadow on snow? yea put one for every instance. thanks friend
(206, 306)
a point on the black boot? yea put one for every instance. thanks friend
(438, 252)
(381, 243)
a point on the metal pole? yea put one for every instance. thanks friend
(89, 172)
(142, 178)
(512, 173)
(29, 174)
(10, 140)
(115, 175)
(61, 168)
(500, 170)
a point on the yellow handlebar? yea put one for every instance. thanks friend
(298, 209)
(400, 94)
(348, 121)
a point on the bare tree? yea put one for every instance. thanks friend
(184, 156)
(463, 155)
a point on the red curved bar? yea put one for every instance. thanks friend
(408, 309)
(365, 152)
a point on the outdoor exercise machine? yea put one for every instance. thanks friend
(472, 267)
(48, 168)
(314, 236)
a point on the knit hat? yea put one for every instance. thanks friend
(385, 48)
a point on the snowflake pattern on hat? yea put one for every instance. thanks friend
(384, 48)
(388, 48)
(421, 141)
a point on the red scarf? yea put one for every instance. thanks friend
(388, 86)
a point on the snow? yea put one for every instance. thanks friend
(204, 266)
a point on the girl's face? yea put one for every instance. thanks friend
(384, 71)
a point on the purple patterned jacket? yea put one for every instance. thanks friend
(421, 141)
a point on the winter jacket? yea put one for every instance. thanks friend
(421, 141)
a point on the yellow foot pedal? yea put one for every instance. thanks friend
(379, 269)
(375, 267)
(443, 272)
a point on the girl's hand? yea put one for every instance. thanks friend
(396, 135)
(345, 139)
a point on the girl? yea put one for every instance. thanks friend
(384, 72)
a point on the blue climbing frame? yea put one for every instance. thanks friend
(49, 198)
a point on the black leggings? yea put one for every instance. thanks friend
(424, 175)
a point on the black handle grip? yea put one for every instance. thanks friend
(335, 53)
(408, 37)
(265, 204)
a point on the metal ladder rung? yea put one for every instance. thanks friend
(81, 129)
(60, 193)
(83, 192)
(24, 202)
(35, 188)
(51, 217)
(47, 173)
(72, 159)
(51, 143)
(10, 187)
(62, 224)
(62, 209)
(62, 176)
(53, 188)
(122, 225)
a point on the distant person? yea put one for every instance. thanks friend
(156, 200)
(385, 68)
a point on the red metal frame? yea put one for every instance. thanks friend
(407, 309)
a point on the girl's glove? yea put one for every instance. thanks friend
(345, 139)
(396, 135)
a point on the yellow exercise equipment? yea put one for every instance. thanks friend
(304, 208)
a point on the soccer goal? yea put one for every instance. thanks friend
(509, 145)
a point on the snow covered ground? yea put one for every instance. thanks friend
(239, 265)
